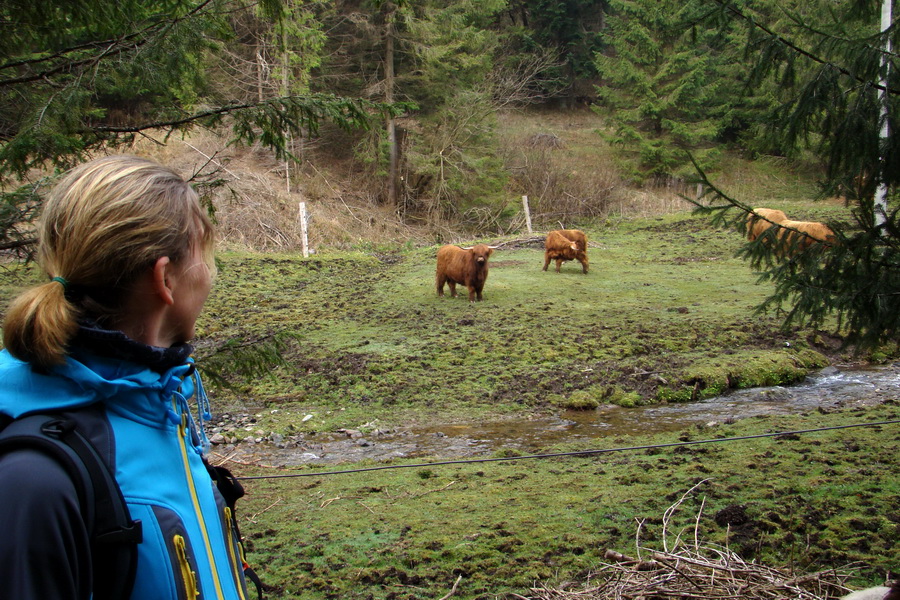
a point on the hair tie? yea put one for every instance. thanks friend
(61, 280)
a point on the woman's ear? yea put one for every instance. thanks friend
(162, 279)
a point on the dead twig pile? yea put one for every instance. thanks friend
(706, 573)
(689, 570)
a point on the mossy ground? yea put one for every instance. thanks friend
(802, 503)
(665, 314)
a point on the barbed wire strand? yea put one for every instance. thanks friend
(564, 454)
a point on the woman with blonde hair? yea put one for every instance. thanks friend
(103, 343)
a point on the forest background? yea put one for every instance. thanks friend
(406, 96)
(403, 125)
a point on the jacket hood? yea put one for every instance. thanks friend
(86, 378)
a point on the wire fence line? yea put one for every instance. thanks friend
(565, 454)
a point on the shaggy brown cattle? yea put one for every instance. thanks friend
(566, 244)
(791, 241)
(465, 266)
(756, 226)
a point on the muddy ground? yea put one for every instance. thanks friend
(826, 390)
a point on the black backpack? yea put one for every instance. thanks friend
(114, 535)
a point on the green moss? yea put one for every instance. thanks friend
(625, 398)
(579, 400)
(712, 376)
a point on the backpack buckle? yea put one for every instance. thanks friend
(122, 535)
(58, 427)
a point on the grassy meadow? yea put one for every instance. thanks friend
(665, 314)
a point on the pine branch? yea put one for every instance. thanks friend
(779, 39)
(246, 360)
(108, 48)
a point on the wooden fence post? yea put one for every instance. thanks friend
(527, 213)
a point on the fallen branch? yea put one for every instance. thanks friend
(453, 589)
(252, 518)
(440, 489)
(221, 460)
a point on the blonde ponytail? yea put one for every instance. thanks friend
(39, 325)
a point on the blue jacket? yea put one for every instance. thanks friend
(141, 421)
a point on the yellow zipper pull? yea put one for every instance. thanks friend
(187, 574)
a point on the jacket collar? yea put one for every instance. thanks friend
(102, 366)
(115, 344)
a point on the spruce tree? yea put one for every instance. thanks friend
(568, 29)
(453, 49)
(661, 86)
(439, 155)
(829, 60)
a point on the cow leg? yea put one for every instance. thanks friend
(584, 266)
(546, 260)
(473, 292)
(440, 285)
(559, 263)
(452, 285)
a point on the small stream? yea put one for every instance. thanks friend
(828, 389)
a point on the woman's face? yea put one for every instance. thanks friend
(193, 284)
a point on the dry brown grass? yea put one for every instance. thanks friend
(558, 160)
(255, 209)
(561, 162)
(650, 202)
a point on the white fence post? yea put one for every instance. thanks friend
(527, 213)
(304, 228)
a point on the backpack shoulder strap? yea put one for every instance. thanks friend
(114, 535)
(232, 491)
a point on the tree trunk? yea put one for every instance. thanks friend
(880, 207)
(393, 151)
(260, 74)
(286, 91)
